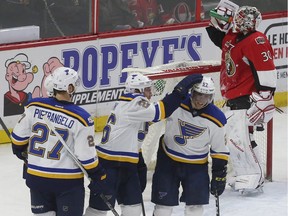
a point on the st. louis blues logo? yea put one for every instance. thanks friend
(188, 131)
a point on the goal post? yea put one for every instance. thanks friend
(164, 78)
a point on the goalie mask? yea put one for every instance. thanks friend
(137, 81)
(63, 77)
(246, 20)
(202, 93)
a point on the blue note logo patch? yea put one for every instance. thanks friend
(188, 131)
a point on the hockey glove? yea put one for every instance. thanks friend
(98, 181)
(222, 15)
(218, 182)
(20, 152)
(185, 84)
(142, 172)
(262, 108)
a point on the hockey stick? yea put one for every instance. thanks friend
(143, 208)
(77, 162)
(174, 66)
(5, 128)
(217, 204)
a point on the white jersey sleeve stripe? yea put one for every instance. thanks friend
(19, 141)
(220, 156)
(160, 111)
(90, 164)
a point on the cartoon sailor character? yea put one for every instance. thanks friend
(18, 79)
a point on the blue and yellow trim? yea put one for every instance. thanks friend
(190, 159)
(55, 173)
(211, 118)
(67, 112)
(117, 155)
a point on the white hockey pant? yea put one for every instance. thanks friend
(244, 157)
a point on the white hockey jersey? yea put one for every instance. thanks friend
(47, 157)
(127, 126)
(191, 134)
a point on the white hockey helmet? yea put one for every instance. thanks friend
(63, 77)
(138, 81)
(203, 93)
(48, 84)
(246, 19)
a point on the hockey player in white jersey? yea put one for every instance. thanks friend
(119, 147)
(193, 131)
(56, 183)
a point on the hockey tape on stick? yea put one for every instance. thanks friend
(217, 204)
(77, 161)
(213, 13)
(5, 128)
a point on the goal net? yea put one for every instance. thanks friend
(165, 77)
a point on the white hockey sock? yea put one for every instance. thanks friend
(131, 210)
(194, 210)
(160, 210)
(94, 212)
(50, 213)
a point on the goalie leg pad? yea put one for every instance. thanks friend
(131, 210)
(160, 210)
(248, 182)
(194, 210)
(94, 212)
(243, 157)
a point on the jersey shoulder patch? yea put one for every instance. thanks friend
(143, 103)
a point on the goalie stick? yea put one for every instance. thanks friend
(180, 66)
(77, 162)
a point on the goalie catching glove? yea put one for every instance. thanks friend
(222, 15)
(262, 108)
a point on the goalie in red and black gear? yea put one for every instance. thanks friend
(247, 78)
